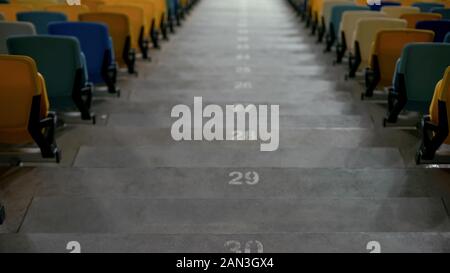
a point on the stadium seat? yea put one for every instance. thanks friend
(119, 29)
(135, 16)
(365, 34)
(326, 15)
(60, 61)
(413, 18)
(440, 28)
(447, 38)
(39, 5)
(336, 16)
(2, 17)
(420, 67)
(150, 25)
(436, 126)
(71, 12)
(427, 6)
(97, 47)
(10, 10)
(386, 50)
(93, 4)
(377, 7)
(41, 19)
(24, 113)
(397, 12)
(8, 29)
(445, 12)
(348, 27)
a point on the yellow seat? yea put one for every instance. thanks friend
(413, 18)
(24, 116)
(398, 11)
(120, 32)
(441, 94)
(93, 4)
(39, 4)
(386, 50)
(72, 12)
(150, 21)
(10, 10)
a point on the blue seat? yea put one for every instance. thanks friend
(60, 61)
(96, 45)
(443, 11)
(420, 67)
(427, 7)
(447, 38)
(41, 19)
(440, 28)
(384, 4)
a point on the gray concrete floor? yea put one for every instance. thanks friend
(338, 181)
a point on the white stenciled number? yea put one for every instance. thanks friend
(259, 246)
(73, 247)
(374, 247)
(236, 246)
(250, 178)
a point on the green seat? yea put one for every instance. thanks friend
(60, 61)
(420, 67)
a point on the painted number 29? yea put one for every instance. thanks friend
(240, 178)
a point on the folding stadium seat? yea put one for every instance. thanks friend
(365, 34)
(119, 29)
(326, 15)
(427, 7)
(40, 4)
(60, 61)
(41, 19)
(161, 17)
(440, 28)
(173, 13)
(10, 10)
(135, 16)
(150, 24)
(2, 17)
(24, 115)
(447, 38)
(8, 29)
(436, 126)
(420, 67)
(97, 47)
(413, 18)
(445, 12)
(386, 50)
(71, 12)
(384, 4)
(335, 22)
(93, 4)
(348, 27)
(397, 12)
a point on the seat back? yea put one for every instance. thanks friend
(71, 12)
(349, 22)
(2, 17)
(94, 42)
(57, 57)
(367, 30)
(337, 11)
(328, 7)
(19, 83)
(93, 4)
(135, 16)
(41, 19)
(445, 12)
(388, 47)
(440, 28)
(118, 26)
(447, 38)
(10, 11)
(384, 4)
(397, 12)
(427, 6)
(441, 93)
(422, 65)
(149, 12)
(40, 4)
(414, 18)
(8, 29)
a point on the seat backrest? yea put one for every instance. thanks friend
(388, 47)
(8, 29)
(2, 17)
(427, 6)
(337, 11)
(441, 93)
(414, 18)
(396, 11)
(422, 65)
(149, 12)
(19, 83)
(72, 12)
(118, 26)
(349, 22)
(447, 38)
(440, 28)
(367, 30)
(383, 3)
(57, 57)
(328, 7)
(93, 4)
(135, 15)
(41, 19)
(445, 12)
(94, 42)
(40, 4)
(10, 11)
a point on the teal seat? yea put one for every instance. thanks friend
(427, 6)
(60, 61)
(41, 19)
(420, 67)
(442, 11)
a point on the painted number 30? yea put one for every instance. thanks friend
(240, 178)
